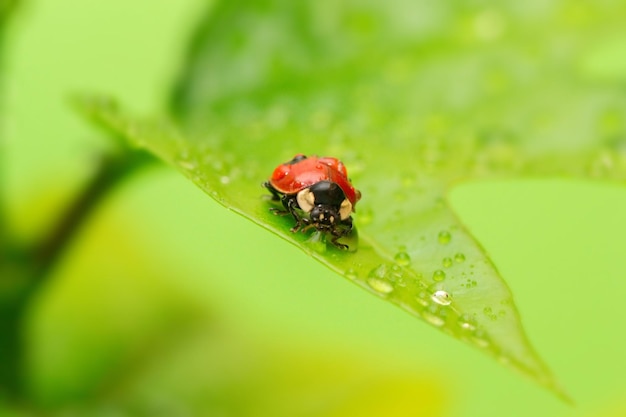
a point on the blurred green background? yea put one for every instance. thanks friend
(168, 305)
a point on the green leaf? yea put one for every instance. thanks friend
(414, 97)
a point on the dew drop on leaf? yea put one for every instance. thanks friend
(351, 274)
(444, 237)
(422, 298)
(377, 279)
(446, 262)
(467, 322)
(380, 286)
(459, 257)
(480, 338)
(433, 318)
(442, 298)
(402, 258)
(379, 272)
(439, 275)
(187, 165)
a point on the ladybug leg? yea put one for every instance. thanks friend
(308, 226)
(338, 232)
(337, 244)
(275, 194)
(290, 203)
(296, 227)
(278, 212)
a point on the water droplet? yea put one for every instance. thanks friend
(488, 311)
(442, 297)
(439, 275)
(447, 262)
(187, 164)
(480, 338)
(380, 286)
(433, 318)
(444, 237)
(459, 257)
(422, 298)
(396, 275)
(467, 322)
(379, 272)
(435, 315)
(402, 258)
(411, 308)
(351, 274)
(225, 180)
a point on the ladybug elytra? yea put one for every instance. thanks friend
(317, 193)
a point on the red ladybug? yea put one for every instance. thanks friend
(317, 193)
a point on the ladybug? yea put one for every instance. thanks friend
(317, 193)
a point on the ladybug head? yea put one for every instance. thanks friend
(325, 202)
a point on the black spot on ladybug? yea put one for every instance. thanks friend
(327, 193)
(296, 159)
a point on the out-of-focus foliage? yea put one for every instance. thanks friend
(6, 8)
(414, 97)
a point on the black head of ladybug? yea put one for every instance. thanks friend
(325, 202)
